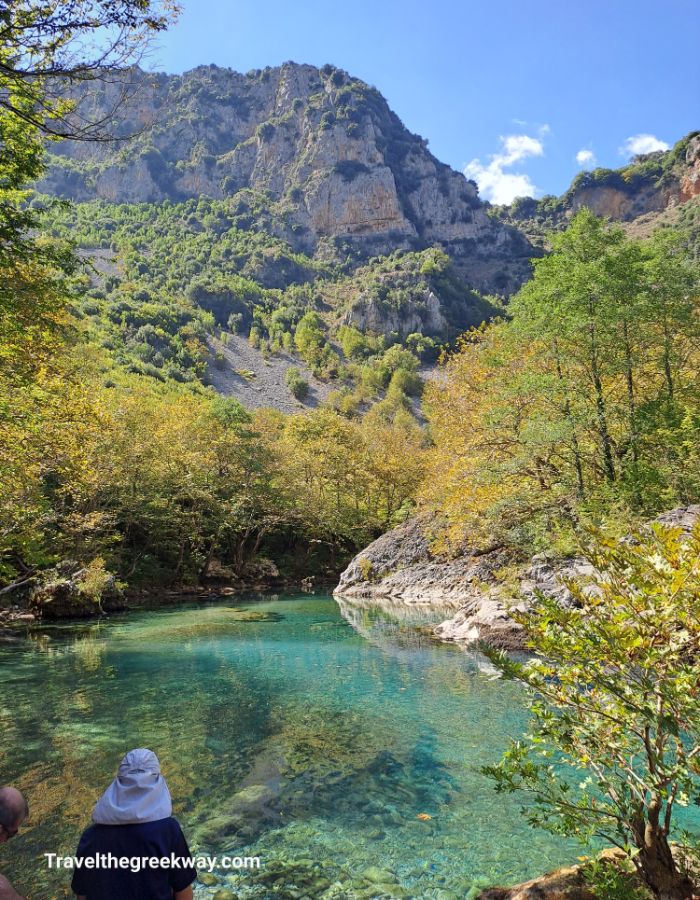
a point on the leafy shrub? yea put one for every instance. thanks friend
(310, 333)
(612, 881)
(94, 580)
(338, 78)
(353, 342)
(422, 346)
(234, 322)
(344, 402)
(296, 383)
(395, 358)
(366, 568)
(264, 131)
(405, 382)
(90, 308)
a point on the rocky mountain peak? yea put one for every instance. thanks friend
(317, 156)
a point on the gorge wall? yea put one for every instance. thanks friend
(316, 155)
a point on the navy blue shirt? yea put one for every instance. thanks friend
(147, 839)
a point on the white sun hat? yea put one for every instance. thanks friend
(138, 793)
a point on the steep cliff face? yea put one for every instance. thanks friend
(649, 186)
(689, 182)
(335, 169)
(652, 184)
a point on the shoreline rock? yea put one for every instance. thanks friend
(400, 567)
(66, 593)
(564, 884)
(130, 599)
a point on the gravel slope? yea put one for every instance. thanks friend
(256, 381)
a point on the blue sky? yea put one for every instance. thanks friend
(511, 90)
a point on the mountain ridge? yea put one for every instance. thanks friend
(649, 185)
(290, 207)
(334, 170)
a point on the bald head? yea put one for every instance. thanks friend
(13, 811)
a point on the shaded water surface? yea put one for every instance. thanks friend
(286, 729)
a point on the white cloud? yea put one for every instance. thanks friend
(500, 186)
(642, 143)
(585, 157)
(517, 147)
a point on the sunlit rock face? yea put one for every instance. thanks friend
(316, 155)
(400, 568)
(690, 182)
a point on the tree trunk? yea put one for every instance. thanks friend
(608, 464)
(668, 371)
(570, 419)
(658, 867)
(631, 403)
(204, 570)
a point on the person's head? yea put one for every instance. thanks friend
(14, 809)
(138, 793)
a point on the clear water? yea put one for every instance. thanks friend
(286, 730)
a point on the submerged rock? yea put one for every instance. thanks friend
(379, 876)
(246, 813)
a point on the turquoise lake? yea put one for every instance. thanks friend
(289, 727)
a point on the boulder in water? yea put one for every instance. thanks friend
(74, 592)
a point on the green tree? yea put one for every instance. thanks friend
(584, 399)
(615, 696)
(296, 383)
(568, 302)
(46, 45)
(310, 333)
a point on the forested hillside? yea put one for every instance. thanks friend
(289, 212)
(312, 156)
(161, 283)
(290, 208)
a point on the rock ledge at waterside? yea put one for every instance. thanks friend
(400, 566)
